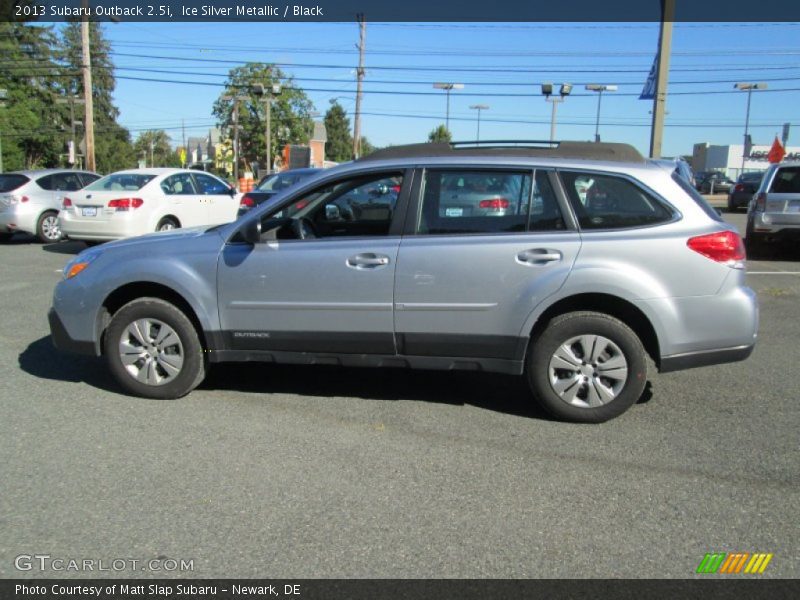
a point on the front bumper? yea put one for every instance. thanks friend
(63, 341)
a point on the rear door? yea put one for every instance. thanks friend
(468, 279)
(220, 203)
(183, 201)
(61, 184)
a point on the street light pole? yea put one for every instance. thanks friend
(3, 93)
(479, 108)
(594, 87)
(747, 87)
(448, 87)
(547, 92)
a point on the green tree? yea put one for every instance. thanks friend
(291, 121)
(30, 124)
(339, 147)
(366, 147)
(440, 134)
(113, 148)
(154, 146)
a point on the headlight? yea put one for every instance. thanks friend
(79, 263)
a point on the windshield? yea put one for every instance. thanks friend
(11, 181)
(121, 181)
(281, 181)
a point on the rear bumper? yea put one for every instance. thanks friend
(63, 341)
(114, 228)
(691, 360)
(17, 220)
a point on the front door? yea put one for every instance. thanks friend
(322, 279)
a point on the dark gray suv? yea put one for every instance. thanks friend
(595, 259)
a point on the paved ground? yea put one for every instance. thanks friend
(322, 472)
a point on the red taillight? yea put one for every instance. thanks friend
(125, 203)
(761, 202)
(739, 188)
(724, 246)
(395, 189)
(301, 205)
(494, 204)
(24, 199)
(66, 203)
(246, 202)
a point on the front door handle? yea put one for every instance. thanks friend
(367, 260)
(538, 256)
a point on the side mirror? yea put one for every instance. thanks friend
(251, 232)
(231, 191)
(332, 213)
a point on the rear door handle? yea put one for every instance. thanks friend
(538, 256)
(367, 260)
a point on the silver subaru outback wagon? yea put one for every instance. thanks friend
(582, 261)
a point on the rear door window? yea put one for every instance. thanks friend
(66, 182)
(474, 202)
(610, 202)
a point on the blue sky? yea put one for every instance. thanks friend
(489, 58)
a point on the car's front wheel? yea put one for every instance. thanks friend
(153, 350)
(587, 367)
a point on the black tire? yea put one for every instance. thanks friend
(47, 229)
(167, 223)
(5, 237)
(192, 370)
(622, 340)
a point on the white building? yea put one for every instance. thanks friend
(728, 159)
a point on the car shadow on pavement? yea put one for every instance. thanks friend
(501, 393)
(41, 359)
(66, 247)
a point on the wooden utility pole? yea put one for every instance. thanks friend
(360, 74)
(662, 75)
(88, 125)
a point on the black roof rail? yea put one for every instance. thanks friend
(524, 148)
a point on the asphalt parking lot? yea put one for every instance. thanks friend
(318, 472)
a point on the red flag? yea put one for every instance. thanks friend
(776, 153)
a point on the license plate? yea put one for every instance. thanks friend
(89, 211)
(453, 212)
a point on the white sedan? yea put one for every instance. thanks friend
(139, 201)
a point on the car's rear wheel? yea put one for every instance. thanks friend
(167, 224)
(48, 230)
(587, 367)
(5, 237)
(153, 350)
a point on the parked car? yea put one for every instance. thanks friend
(139, 201)
(271, 185)
(742, 192)
(573, 293)
(774, 212)
(30, 200)
(721, 182)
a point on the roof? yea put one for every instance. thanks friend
(39, 172)
(540, 149)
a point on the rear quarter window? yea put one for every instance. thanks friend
(698, 199)
(11, 181)
(602, 201)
